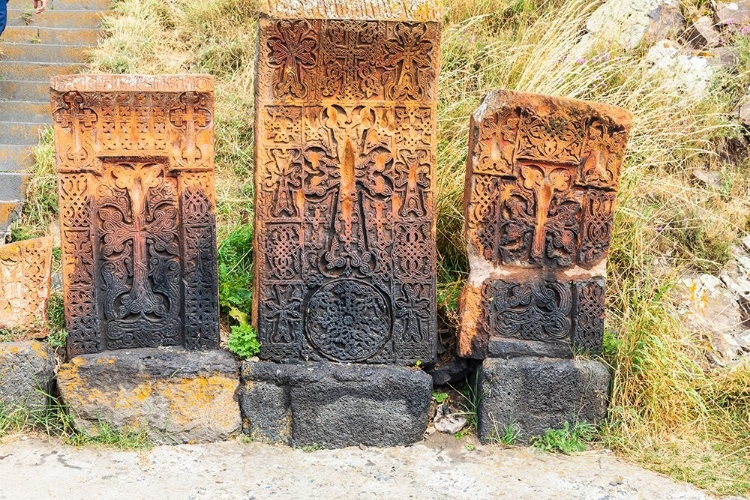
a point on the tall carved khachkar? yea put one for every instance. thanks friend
(345, 181)
(541, 184)
(25, 273)
(135, 183)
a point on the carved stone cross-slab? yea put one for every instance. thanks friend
(135, 183)
(541, 183)
(345, 143)
(25, 274)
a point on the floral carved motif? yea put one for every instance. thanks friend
(345, 149)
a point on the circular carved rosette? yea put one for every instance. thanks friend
(348, 320)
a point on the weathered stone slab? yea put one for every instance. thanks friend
(177, 396)
(25, 279)
(345, 142)
(27, 372)
(334, 405)
(135, 181)
(536, 394)
(541, 185)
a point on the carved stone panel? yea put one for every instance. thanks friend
(25, 273)
(345, 145)
(135, 184)
(541, 186)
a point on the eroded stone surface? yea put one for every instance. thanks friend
(345, 181)
(27, 371)
(135, 181)
(334, 405)
(541, 184)
(536, 394)
(25, 274)
(177, 396)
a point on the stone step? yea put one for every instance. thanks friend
(79, 5)
(25, 111)
(16, 157)
(19, 133)
(56, 18)
(15, 90)
(37, 52)
(35, 71)
(62, 36)
(13, 186)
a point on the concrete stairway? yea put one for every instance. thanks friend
(32, 49)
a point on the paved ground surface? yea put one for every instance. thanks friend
(440, 468)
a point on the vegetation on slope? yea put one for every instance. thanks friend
(670, 410)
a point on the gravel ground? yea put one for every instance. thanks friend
(439, 468)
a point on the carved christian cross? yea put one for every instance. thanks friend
(345, 181)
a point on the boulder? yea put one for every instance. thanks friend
(177, 396)
(27, 371)
(627, 22)
(686, 73)
(536, 394)
(334, 405)
(710, 306)
(732, 13)
(702, 34)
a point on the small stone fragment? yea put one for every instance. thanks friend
(27, 372)
(447, 422)
(25, 282)
(702, 34)
(176, 396)
(709, 178)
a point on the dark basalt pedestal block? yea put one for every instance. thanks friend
(177, 396)
(334, 405)
(27, 372)
(536, 394)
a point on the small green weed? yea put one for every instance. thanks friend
(440, 397)
(243, 341)
(510, 435)
(114, 438)
(471, 397)
(566, 440)
(56, 421)
(56, 320)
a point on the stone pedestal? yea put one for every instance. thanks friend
(27, 371)
(178, 396)
(537, 394)
(334, 405)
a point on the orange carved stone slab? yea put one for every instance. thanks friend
(25, 273)
(541, 185)
(345, 149)
(135, 184)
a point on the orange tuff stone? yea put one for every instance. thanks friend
(345, 142)
(25, 273)
(135, 183)
(541, 185)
